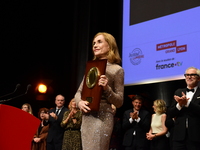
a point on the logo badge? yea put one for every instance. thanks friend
(136, 56)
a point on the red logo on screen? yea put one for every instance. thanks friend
(171, 47)
(166, 45)
(182, 48)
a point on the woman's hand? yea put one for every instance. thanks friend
(150, 136)
(36, 140)
(71, 113)
(83, 105)
(103, 81)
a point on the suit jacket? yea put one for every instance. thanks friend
(55, 130)
(140, 128)
(192, 113)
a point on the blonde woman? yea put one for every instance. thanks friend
(27, 107)
(158, 130)
(71, 122)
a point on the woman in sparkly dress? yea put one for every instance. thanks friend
(97, 126)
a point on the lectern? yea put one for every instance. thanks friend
(17, 128)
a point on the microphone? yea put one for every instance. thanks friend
(17, 86)
(28, 87)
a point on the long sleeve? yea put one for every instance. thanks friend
(115, 92)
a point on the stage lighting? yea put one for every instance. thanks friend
(42, 88)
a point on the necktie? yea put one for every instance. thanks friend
(57, 111)
(188, 90)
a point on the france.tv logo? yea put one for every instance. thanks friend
(169, 65)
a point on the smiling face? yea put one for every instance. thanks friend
(59, 101)
(191, 80)
(100, 47)
(72, 104)
(137, 104)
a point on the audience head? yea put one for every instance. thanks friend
(41, 113)
(72, 104)
(159, 106)
(60, 101)
(192, 77)
(137, 102)
(27, 107)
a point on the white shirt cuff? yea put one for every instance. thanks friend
(130, 120)
(138, 119)
(178, 106)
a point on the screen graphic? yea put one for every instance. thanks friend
(162, 48)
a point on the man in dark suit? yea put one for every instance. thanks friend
(136, 123)
(185, 110)
(54, 118)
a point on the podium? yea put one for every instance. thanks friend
(17, 128)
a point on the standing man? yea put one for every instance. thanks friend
(54, 118)
(136, 123)
(185, 110)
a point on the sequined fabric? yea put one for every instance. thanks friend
(97, 127)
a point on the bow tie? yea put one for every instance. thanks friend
(188, 90)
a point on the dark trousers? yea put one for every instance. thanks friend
(160, 143)
(186, 144)
(54, 145)
(138, 144)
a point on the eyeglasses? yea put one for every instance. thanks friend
(190, 75)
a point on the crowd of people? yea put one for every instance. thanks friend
(79, 128)
(172, 128)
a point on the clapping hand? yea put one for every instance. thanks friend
(181, 100)
(134, 115)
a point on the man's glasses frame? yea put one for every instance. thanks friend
(191, 75)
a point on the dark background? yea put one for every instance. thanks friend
(50, 42)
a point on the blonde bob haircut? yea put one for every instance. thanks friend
(113, 54)
(160, 106)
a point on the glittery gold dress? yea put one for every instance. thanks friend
(96, 128)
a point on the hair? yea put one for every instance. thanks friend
(70, 104)
(29, 108)
(42, 109)
(160, 106)
(138, 97)
(113, 54)
(61, 96)
(198, 71)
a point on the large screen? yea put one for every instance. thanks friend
(159, 44)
